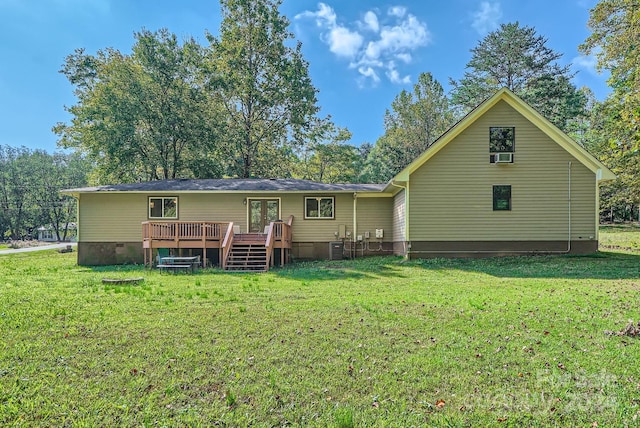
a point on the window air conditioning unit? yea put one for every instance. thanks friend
(503, 157)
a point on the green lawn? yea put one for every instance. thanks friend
(375, 342)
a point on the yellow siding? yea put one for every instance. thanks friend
(451, 194)
(111, 217)
(118, 217)
(318, 230)
(375, 213)
(399, 207)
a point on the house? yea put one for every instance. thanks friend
(502, 181)
(48, 233)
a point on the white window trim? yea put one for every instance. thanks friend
(163, 216)
(318, 198)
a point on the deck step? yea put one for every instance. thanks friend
(248, 254)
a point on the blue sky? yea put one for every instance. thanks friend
(362, 53)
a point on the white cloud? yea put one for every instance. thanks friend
(398, 11)
(374, 45)
(371, 21)
(399, 39)
(587, 62)
(487, 18)
(405, 57)
(324, 16)
(394, 76)
(369, 72)
(343, 42)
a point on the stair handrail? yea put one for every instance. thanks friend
(268, 245)
(289, 229)
(226, 244)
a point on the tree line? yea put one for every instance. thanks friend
(30, 184)
(244, 105)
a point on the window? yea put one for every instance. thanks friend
(163, 207)
(319, 207)
(501, 140)
(502, 198)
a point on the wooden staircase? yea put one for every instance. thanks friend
(248, 253)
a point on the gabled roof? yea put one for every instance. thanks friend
(504, 94)
(229, 185)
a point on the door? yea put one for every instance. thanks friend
(261, 213)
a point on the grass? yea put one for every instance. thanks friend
(620, 237)
(371, 342)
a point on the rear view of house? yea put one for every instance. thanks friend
(504, 180)
(501, 181)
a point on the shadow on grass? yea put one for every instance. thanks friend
(367, 267)
(602, 265)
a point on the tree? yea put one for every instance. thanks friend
(15, 184)
(265, 88)
(52, 173)
(615, 26)
(517, 58)
(333, 162)
(415, 121)
(30, 184)
(142, 116)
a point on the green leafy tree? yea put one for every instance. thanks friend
(415, 121)
(615, 26)
(16, 181)
(30, 182)
(142, 116)
(52, 173)
(518, 58)
(264, 85)
(333, 162)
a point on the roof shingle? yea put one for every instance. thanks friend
(231, 185)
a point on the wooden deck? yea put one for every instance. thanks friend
(211, 234)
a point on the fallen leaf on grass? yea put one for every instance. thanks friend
(440, 404)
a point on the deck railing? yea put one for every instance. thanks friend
(282, 231)
(183, 230)
(201, 233)
(279, 232)
(268, 244)
(226, 245)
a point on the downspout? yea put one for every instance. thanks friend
(77, 217)
(525, 252)
(597, 210)
(355, 225)
(569, 208)
(406, 218)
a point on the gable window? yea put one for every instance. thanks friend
(165, 207)
(502, 198)
(319, 207)
(501, 144)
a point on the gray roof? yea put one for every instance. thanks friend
(231, 185)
